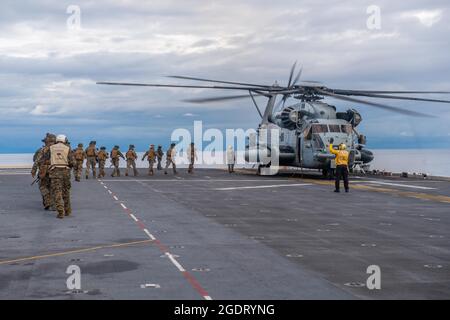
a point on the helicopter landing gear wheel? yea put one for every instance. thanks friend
(260, 167)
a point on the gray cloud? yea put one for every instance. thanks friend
(48, 73)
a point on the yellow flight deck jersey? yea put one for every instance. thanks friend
(341, 156)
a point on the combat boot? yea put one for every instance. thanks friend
(68, 212)
(60, 215)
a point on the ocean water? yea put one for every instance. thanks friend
(430, 161)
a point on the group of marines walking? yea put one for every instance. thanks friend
(54, 162)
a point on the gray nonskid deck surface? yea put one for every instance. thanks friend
(275, 241)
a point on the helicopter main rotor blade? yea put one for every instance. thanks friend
(298, 76)
(219, 81)
(179, 86)
(217, 99)
(351, 92)
(291, 74)
(374, 104)
(383, 96)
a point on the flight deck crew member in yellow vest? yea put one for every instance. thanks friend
(91, 159)
(342, 156)
(61, 162)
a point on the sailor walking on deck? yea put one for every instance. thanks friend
(342, 156)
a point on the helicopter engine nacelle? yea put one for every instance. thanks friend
(351, 115)
(289, 118)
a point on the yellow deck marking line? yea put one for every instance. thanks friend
(57, 254)
(409, 194)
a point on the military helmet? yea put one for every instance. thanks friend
(61, 138)
(116, 147)
(92, 142)
(45, 138)
(172, 144)
(131, 146)
(51, 138)
(80, 145)
(102, 148)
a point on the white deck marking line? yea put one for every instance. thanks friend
(115, 198)
(398, 185)
(105, 187)
(149, 234)
(200, 180)
(109, 191)
(175, 262)
(265, 186)
(192, 280)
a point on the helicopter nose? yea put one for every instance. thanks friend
(366, 155)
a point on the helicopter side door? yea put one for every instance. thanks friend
(306, 155)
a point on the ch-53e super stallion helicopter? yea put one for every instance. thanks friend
(307, 127)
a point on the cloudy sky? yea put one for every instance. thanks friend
(48, 66)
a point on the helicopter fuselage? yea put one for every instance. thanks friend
(305, 130)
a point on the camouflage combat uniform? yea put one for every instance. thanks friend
(115, 160)
(159, 156)
(151, 156)
(61, 162)
(131, 161)
(79, 156)
(102, 156)
(192, 155)
(41, 166)
(91, 160)
(170, 159)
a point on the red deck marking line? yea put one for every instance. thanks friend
(141, 225)
(194, 283)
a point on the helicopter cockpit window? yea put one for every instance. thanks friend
(317, 142)
(334, 128)
(319, 128)
(346, 128)
(307, 133)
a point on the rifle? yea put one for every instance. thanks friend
(36, 180)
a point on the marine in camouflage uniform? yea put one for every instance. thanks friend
(115, 160)
(40, 167)
(151, 157)
(192, 155)
(131, 160)
(170, 159)
(61, 162)
(102, 156)
(159, 156)
(79, 156)
(91, 159)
